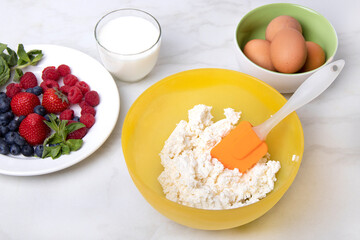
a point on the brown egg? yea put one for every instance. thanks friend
(288, 51)
(315, 57)
(258, 51)
(280, 23)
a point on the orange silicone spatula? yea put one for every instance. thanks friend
(245, 145)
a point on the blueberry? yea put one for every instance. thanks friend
(10, 137)
(30, 90)
(39, 109)
(4, 130)
(4, 148)
(15, 149)
(5, 118)
(22, 117)
(47, 117)
(37, 90)
(19, 140)
(4, 104)
(3, 95)
(27, 150)
(14, 125)
(39, 150)
(76, 118)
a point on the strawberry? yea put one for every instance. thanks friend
(23, 103)
(54, 101)
(33, 129)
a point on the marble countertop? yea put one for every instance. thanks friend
(96, 199)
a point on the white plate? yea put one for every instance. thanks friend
(92, 72)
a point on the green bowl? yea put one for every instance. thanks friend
(315, 28)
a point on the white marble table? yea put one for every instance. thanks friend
(96, 198)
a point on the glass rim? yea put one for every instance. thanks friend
(127, 9)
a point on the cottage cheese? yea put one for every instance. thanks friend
(193, 178)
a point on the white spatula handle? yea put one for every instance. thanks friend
(310, 89)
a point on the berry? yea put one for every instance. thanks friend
(46, 84)
(37, 90)
(39, 109)
(19, 140)
(50, 74)
(75, 95)
(54, 101)
(83, 86)
(67, 114)
(4, 104)
(87, 119)
(30, 90)
(13, 125)
(15, 149)
(10, 137)
(70, 80)
(88, 109)
(77, 134)
(22, 117)
(39, 150)
(12, 89)
(5, 118)
(76, 119)
(64, 70)
(4, 148)
(23, 103)
(27, 150)
(33, 129)
(82, 103)
(92, 98)
(4, 130)
(47, 118)
(45, 69)
(2, 95)
(28, 80)
(65, 89)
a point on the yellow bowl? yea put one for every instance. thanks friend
(154, 115)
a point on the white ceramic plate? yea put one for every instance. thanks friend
(92, 72)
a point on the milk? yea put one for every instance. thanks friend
(128, 45)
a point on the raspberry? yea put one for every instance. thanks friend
(50, 73)
(67, 114)
(92, 98)
(88, 109)
(77, 134)
(75, 95)
(46, 84)
(70, 80)
(28, 80)
(63, 70)
(45, 69)
(82, 103)
(87, 119)
(12, 89)
(65, 89)
(83, 86)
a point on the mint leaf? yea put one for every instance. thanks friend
(23, 57)
(74, 144)
(12, 61)
(18, 75)
(4, 72)
(74, 126)
(65, 149)
(2, 47)
(61, 129)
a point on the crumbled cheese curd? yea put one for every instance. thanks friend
(193, 178)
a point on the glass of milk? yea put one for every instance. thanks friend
(128, 41)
